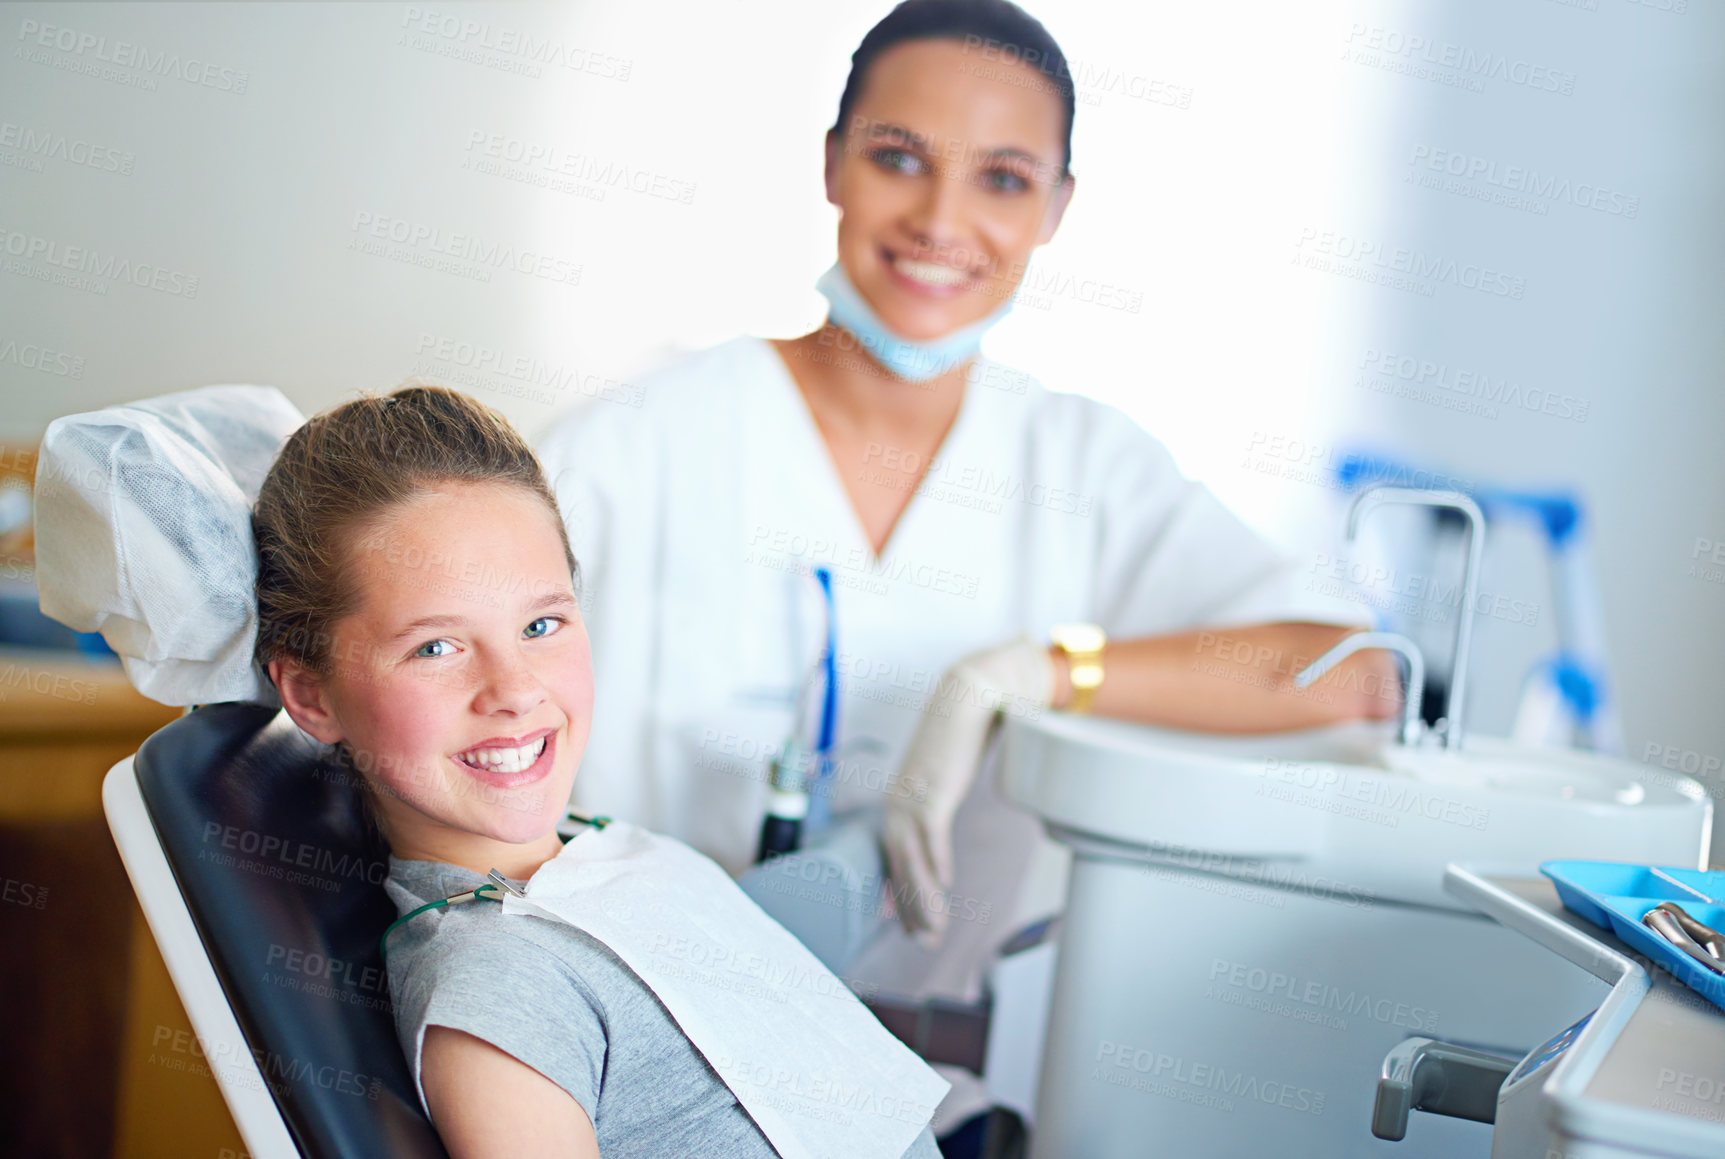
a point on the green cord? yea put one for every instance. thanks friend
(486, 891)
(478, 891)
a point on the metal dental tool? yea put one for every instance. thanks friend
(1706, 937)
(1667, 925)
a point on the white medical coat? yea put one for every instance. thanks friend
(697, 516)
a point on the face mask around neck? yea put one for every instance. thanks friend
(912, 361)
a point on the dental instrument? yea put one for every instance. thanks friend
(820, 806)
(792, 801)
(1703, 943)
(1705, 936)
(1666, 925)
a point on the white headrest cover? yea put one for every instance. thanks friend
(143, 533)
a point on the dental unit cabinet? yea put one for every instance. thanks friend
(1254, 924)
(1640, 1077)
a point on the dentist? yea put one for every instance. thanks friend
(962, 510)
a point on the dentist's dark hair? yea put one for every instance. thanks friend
(999, 31)
(344, 469)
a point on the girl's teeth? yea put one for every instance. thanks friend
(931, 272)
(505, 760)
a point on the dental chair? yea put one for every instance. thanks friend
(262, 885)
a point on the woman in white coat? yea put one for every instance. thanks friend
(961, 509)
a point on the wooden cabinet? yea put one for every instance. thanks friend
(100, 1056)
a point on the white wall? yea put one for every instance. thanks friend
(1216, 146)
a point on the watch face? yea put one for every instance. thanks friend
(1079, 637)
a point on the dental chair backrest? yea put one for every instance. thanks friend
(283, 881)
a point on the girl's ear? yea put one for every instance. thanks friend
(306, 699)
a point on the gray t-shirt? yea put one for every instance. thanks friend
(560, 1001)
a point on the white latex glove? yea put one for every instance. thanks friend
(940, 765)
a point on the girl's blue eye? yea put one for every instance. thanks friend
(546, 624)
(1007, 182)
(430, 655)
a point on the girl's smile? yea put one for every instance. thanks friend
(510, 762)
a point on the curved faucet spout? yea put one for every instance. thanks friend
(1375, 497)
(1412, 726)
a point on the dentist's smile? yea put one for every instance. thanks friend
(928, 279)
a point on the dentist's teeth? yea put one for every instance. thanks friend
(931, 273)
(515, 760)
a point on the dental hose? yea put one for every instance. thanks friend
(789, 803)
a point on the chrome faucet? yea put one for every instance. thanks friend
(1373, 498)
(1413, 728)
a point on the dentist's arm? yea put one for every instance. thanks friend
(1238, 680)
(1233, 680)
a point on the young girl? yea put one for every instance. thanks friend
(418, 607)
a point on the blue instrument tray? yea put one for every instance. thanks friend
(1617, 895)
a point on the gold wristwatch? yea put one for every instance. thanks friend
(1082, 644)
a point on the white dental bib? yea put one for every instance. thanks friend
(815, 1070)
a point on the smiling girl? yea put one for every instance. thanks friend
(419, 608)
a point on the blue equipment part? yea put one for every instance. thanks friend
(820, 793)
